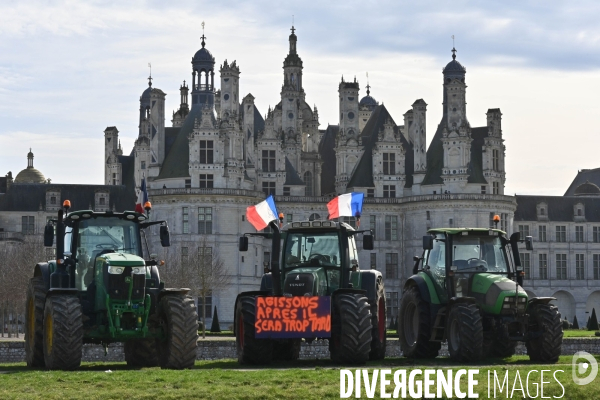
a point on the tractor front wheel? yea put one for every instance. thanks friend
(352, 344)
(547, 347)
(465, 333)
(414, 326)
(63, 332)
(141, 353)
(378, 320)
(179, 320)
(34, 322)
(250, 350)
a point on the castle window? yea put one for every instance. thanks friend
(286, 190)
(268, 188)
(206, 151)
(524, 231)
(542, 233)
(391, 227)
(543, 266)
(561, 267)
(483, 189)
(596, 234)
(526, 263)
(579, 266)
(205, 220)
(370, 192)
(389, 163)
(309, 183)
(185, 226)
(268, 160)
(143, 164)
(496, 187)
(188, 183)
(579, 234)
(206, 181)
(561, 233)
(53, 200)
(391, 265)
(27, 225)
(102, 201)
(373, 225)
(496, 160)
(389, 190)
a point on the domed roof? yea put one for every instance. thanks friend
(454, 67)
(30, 174)
(203, 56)
(368, 101)
(587, 189)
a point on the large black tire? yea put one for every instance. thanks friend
(34, 322)
(63, 332)
(286, 349)
(141, 353)
(352, 344)
(464, 331)
(414, 326)
(249, 349)
(547, 347)
(179, 321)
(378, 322)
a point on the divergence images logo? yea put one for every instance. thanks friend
(580, 368)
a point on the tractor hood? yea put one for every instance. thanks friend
(123, 260)
(302, 281)
(492, 290)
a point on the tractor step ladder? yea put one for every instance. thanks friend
(438, 330)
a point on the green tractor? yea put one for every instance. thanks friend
(100, 290)
(469, 292)
(319, 264)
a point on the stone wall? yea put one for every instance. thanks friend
(225, 348)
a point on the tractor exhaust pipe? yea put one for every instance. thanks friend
(275, 248)
(60, 277)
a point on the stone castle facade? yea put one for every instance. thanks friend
(220, 154)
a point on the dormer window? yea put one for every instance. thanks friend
(53, 200)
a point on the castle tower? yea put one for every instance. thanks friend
(184, 109)
(203, 77)
(347, 146)
(417, 134)
(230, 89)
(456, 133)
(493, 155)
(365, 108)
(112, 167)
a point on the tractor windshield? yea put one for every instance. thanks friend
(97, 236)
(319, 248)
(478, 254)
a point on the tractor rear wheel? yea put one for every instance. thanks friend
(465, 333)
(63, 332)
(179, 320)
(353, 343)
(414, 326)
(250, 350)
(378, 320)
(34, 322)
(141, 353)
(287, 349)
(547, 347)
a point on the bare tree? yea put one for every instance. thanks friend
(210, 274)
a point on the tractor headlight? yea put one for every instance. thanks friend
(138, 270)
(115, 270)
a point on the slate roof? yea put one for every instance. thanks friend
(559, 208)
(128, 170)
(583, 176)
(435, 157)
(291, 176)
(3, 181)
(31, 196)
(363, 173)
(176, 163)
(170, 136)
(327, 153)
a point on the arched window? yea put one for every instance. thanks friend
(314, 217)
(308, 180)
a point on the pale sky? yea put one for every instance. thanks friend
(69, 69)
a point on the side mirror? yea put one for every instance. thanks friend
(165, 236)
(529, 243)
(367, 242)
(417, 260)
(243, 246)
(427, 242)
(48, 235)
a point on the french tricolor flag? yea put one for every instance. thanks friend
(142, 197)
(346, 205)
(261, 214)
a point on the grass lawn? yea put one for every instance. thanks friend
(575, 333)
(225, 379)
